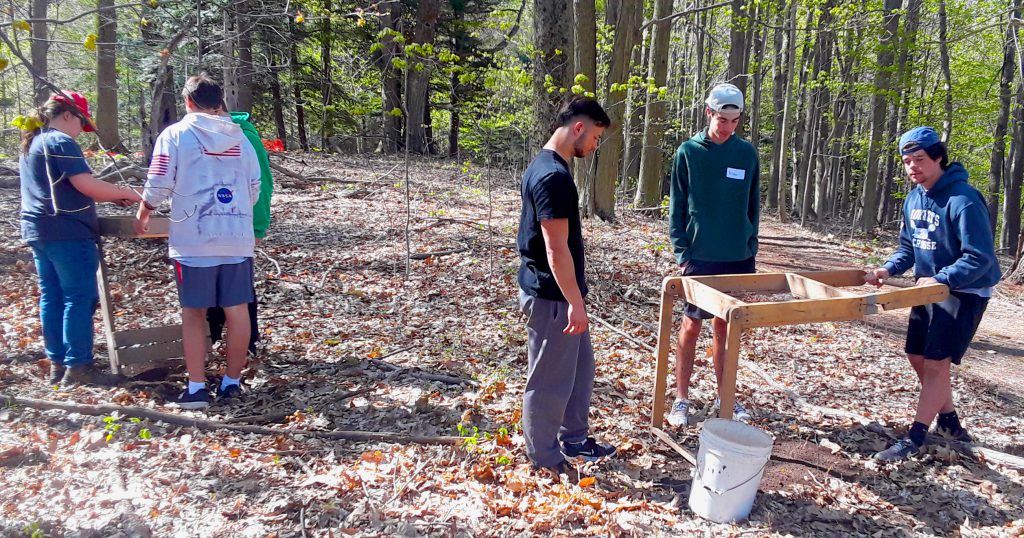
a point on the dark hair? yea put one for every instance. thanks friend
(203, 92)
(580, 106)
(42, 115)
(938, 151)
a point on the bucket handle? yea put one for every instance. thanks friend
(727, 490)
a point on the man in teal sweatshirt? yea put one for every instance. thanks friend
(714, 212)
(260, 223)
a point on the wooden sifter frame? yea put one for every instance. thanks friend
(818, 299)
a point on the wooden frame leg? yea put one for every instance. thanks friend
(727, 389)
(661, 376)
(106, 308)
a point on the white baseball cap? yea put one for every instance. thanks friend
(724, 95)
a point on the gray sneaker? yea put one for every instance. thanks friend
(903, 449)
(88, 375)
(739, 413)
(960, 435)
(680, 413)
(56, 373)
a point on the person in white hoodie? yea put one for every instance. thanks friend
(209, 171)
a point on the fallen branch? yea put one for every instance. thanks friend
(278, 416)
(686, 454)
(129, 172)
(212, 425)
(799, 401)
(622, 333)
(415, 372)
(437, 254)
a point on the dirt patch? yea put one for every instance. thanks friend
(803, 462)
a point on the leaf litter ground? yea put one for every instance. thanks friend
(349, 344)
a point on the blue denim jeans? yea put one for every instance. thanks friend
(68, 298)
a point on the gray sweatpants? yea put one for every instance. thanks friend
(559, 382)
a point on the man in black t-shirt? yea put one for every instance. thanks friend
(552, 287)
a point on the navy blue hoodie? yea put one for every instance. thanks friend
(946, 235)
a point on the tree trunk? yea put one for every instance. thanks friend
(586, 65)
(781, 40)
(300, 104)
(947, 83)
(246, 72)
(1011, 202)
(634, 132)
(229, 51)
(739, 45)
(391, 79)
(652, 158)
(783, 138)
(553, 62)
(996, 162)
(277, 100)
(106, 77)
(880, 104)
(39, 49)
(416, 94)
(626, 29)
(326, 81)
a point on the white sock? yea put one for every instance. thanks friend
(194, 387)
(228, 381)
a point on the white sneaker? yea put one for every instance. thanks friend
(679, 415)
(739, 413)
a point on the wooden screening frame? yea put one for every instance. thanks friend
(818, 298)
(133, 350)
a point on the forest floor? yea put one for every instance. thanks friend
(350, 344)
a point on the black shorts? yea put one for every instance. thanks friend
(945, 329)
(702, 268)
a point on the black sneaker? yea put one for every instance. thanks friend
(88, 375)
(960, 435)
(903, 449)
(589, 450)
(199, 400)
(229, 393)
(56, 373)
(556, 471)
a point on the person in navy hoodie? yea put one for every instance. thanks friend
(946, 237)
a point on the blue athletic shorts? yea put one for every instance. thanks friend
(220, 285)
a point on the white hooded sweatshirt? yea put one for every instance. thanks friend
(209, 171)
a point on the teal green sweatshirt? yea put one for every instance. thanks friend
(260, 211)
(715, 204)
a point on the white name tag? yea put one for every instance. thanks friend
(735, 173)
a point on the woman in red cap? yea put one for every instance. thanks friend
(58, 220)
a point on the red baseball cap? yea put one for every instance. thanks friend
(81, 104)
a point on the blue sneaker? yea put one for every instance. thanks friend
(229, 393)
(588, 450)
(199, 400)
(903, 449)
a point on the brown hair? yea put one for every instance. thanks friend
(43, 114)
(203, 91)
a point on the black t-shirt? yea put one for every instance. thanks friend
(548, 193)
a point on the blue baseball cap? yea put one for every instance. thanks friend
(918, 138)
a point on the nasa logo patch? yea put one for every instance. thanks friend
(224, 196)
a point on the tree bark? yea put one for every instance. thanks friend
(391, 80)
(880, 104)
(39, 49)
(947, 83)
(782, 41)
(997, 161)
(300, 104)
(106, 77)
(626, 35)
(553, 62)
(326, 80)
(586, 64)
(1012, 199)
(246, 72)
(416, 94)
(652, 158)
(277, 104)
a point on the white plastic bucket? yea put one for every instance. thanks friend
(730, 462)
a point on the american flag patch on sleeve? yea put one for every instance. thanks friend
(234, 151)
(158, 166)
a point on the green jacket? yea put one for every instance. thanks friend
(715, 202)
(260, 211)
